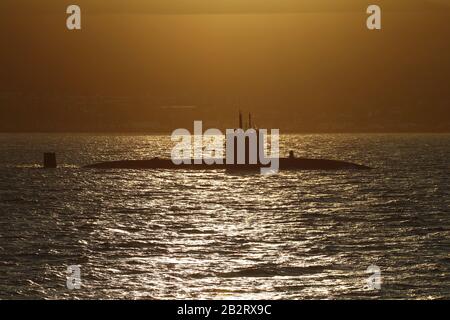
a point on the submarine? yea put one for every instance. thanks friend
(291, 163)
(287, 163)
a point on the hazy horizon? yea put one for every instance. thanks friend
(301, 66)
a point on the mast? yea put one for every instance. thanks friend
(240, 120)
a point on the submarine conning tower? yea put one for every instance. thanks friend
(246, 142)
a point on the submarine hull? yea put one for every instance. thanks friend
(284, 164)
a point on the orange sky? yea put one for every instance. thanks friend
(301, 65)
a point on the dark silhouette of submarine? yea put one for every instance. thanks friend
(284, 164)
(287, 163)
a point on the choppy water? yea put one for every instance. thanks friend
(162, 234)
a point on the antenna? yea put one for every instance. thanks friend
(240, 120)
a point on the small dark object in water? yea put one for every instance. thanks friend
(50, 160)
